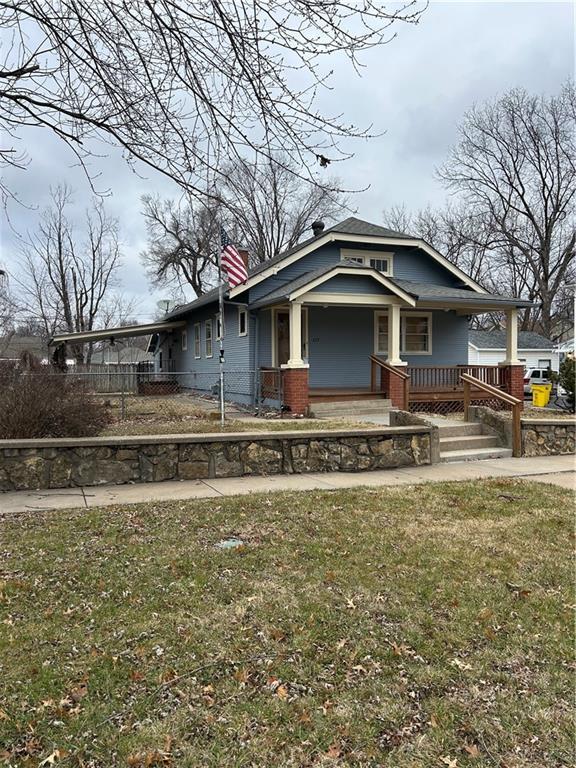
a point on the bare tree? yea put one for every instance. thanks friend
(514, 167)
(265, 208)
(176, 85)
(182, 243)
(67, 280)
(272, 208)
(7, 312)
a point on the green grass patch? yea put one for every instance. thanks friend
(403, 627)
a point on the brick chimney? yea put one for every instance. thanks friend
(245, 257)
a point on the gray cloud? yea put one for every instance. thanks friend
(415, 90)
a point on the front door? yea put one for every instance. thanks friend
(282, 337)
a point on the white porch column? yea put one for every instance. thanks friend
(512, 337)
(295, 360)
(394, 336)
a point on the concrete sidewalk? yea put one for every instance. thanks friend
(558, 470)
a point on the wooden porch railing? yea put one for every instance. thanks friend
(445, 378)
(471, 381)
(376, 364)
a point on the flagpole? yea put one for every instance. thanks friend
(221, 311)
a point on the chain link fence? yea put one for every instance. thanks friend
(140, 395)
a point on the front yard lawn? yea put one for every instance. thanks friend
(409, 627)
(185, 414)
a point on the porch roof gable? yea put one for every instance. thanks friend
(292, 289)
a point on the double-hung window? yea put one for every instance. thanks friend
(242, 322)
(382, 261)
(197, 341)
(208, 338)
(184, 340)
(415, 333)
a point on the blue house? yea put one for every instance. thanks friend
(356, 311)
(349, 313)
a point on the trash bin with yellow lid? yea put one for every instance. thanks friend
(541, 395)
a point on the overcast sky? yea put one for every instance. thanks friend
(415, 89)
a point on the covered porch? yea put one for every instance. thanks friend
(411, 354)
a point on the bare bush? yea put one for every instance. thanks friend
(42, 403)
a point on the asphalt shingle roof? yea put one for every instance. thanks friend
(497, 340)
(350, 226)
(433, 293)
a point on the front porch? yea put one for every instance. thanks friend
(359, 353)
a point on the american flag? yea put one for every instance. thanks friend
(231, 261)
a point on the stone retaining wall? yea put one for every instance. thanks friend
(540, 437)
(547, 437)
(66, 463)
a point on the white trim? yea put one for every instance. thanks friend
(244, 311)
(403, 332)
(355, 299)
(184, 339)
(403, 315)
(198, 330)
(356, 253)
(368, 271)
(331, 237)
(520, 349)
(206, 355)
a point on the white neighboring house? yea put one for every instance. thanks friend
(534, 350)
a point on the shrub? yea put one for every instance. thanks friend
(44, 403)
(566, 379)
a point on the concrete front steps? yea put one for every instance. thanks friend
(336, 409)
(467, 442)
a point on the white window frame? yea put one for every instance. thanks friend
(363, 257)
(377, 316)
(242, 311)
(208, 338)
(184, 340)
(403, 316)
(218, 325)
(197, 341)
(547, 363)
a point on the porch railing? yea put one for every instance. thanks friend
(446, 378)
(515, 404)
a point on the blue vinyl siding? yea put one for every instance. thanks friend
(408, 264)
(351, 284)
(341, 339)
(202, 373)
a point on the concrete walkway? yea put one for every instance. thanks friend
(558, 470)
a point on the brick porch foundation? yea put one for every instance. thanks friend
(296, 390)
(513, 379)
(394, 386)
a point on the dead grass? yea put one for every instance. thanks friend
(407, 627)
(189, 415)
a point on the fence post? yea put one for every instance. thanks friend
(122, 402)
(466, 399)
(516, 431)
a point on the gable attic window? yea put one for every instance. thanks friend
(379, 260)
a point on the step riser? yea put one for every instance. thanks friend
(351, 406)
(460, 430)
(496, 453)
(468, 443)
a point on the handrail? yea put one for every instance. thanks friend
(506, 397)
(391, 368)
